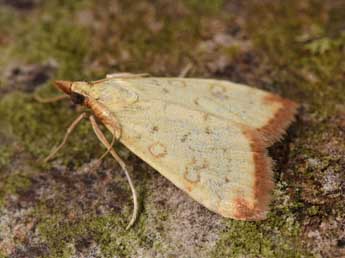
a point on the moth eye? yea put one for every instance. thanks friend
(77, 98)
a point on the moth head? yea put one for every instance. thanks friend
(65, 86)
(114, 92)
(74, 90)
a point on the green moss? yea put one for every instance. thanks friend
(7, 147)
(313, 210)
(107, 231)
(32, 121)
(232, 51)
(53, 35)
(278, 236)
(306, 59)
(304, 50)
(205, 6)
(58, 39)
(148, 41)
(5, 155)
(13, 184)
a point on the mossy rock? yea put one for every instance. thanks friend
(72, 208)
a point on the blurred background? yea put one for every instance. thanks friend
(67, 208)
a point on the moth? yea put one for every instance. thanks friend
(208, 137)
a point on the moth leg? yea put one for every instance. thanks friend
(122, 164)
(49, 100)
(104, 115)
(107, 118)
(69, 131)
(116, 136)
(108, 150)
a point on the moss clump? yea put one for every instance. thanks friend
(107, 231)
(303, 50)
(5, 156)
(206, 6)
(32, 121)
(248, 239)
(6, 149)
(89, 216)
(278, 236)
(54, 36)
(303, 46)
(15, 183)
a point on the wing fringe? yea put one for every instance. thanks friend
(277, 125)
(263, 183)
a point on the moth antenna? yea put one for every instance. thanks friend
(68, 132)
(126, 75)
(40, 99)
(185, 70)
(121, 76)
(122, 164)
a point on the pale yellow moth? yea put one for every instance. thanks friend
(208, 137)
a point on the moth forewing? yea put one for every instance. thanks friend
(208, 137)
(264, 111)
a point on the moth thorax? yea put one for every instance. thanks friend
(118, 95)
